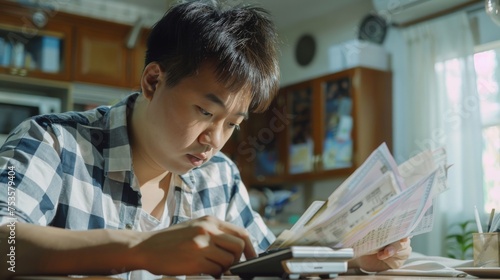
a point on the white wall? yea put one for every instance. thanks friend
(331, 29)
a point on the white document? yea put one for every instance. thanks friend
(378, 204)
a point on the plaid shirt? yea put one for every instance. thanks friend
(74, 171)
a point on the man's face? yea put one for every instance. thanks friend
(188, 123)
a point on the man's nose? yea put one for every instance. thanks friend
(213, 136)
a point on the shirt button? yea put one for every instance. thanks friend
(128, 226)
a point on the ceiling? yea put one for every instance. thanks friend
(284, 12)
(290, 12)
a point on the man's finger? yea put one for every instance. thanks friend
(399, 247)
(241, 233)
(401, 255)
(230, 243)
(399, 259)
(221, 256)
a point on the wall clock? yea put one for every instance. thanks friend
(373, 29)
(305, 50)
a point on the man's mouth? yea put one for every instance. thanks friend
(197, 159)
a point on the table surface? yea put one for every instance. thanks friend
(342, 277)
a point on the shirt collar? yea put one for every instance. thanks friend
(118, 157)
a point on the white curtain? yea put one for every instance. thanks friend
(443, 110)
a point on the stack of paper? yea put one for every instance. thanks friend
(378, 204)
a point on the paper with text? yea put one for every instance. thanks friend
(378, 204)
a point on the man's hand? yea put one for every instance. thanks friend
(391, 256)
(205, 245)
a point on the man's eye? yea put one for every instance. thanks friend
(204, 112)
(235, 126)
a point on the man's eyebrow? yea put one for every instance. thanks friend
(213, 98)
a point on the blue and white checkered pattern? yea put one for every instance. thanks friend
(74, 170)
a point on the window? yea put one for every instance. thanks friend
(487, 67)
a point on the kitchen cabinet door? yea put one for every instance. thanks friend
(300, 139)
(372, 112)
(335, 122)
(335, 136)
(26, 49)
(101, 54)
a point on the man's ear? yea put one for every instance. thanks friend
(150, 78)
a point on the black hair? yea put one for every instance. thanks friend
(241, 41)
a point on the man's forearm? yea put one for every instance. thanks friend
(48, 250)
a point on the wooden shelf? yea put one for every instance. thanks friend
(346, 113)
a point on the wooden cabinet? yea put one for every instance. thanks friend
(101, 56)
(36, 51)
(68, 48)
(317, 129)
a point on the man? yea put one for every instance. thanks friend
(142, 186)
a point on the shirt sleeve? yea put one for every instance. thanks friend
(30, 180)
